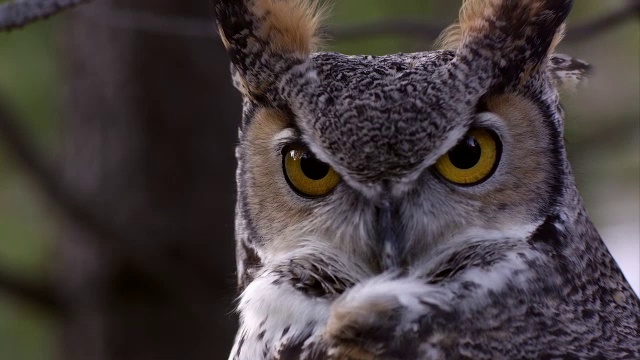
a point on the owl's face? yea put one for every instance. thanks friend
(380, 160)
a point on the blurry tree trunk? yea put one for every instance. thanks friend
(150, 132)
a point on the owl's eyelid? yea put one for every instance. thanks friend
(490, 121)
(284, 138)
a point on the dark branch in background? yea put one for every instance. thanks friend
(22, 12)
(39, 294)
(428, 31)
(616, 17)
(422, 30)
(19, 13)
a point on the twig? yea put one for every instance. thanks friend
(22, 12)
(19, 13)
(39, 294)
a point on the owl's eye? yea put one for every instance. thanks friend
(307, 175)
(473, 160)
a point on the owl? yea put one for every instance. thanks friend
(415, 206)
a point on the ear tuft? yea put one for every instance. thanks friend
(568, 72)
(450, 38)
(290, 26)
(557, 38)
(504, 42)
(471, 12)
(481, 17)
(265, 38)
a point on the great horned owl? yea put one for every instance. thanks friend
(415, 206)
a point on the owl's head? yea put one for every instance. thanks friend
(377, 160)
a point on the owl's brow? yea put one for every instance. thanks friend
(286, 136)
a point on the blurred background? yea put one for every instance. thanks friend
(132, 101)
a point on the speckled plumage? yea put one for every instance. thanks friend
(395, 262)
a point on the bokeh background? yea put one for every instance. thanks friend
(42, 77)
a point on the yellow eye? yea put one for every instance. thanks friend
(473, 160)
(307, 175)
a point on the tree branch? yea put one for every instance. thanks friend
(423, 30)
(19, 13)
(429, 31)
(603, 23)
(39, 294)
(22, 12)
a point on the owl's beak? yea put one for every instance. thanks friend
(390, 233)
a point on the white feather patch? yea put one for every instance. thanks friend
(267, 308)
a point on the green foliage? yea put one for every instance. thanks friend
(29, 83)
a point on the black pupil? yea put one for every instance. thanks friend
(313, 168)
(466, 154)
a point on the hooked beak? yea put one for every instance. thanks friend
(389, 233)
